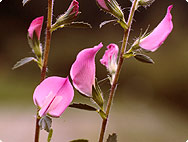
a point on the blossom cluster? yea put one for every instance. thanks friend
(53, 95)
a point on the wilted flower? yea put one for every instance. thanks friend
(110, 58)
(83, 70)
(36, 26)
(53, 96)
(154, 40)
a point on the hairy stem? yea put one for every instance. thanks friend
(120, 63)
(45, 58)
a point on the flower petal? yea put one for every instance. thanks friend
(36, 25)
(154, 40)
(83, 70)
(53, 95)
(75, 6)
(109, 55)
(102, 4)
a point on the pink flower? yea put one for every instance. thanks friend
(36, 26)
(102, 4)
(83, 70)
(110, 58)
(75, 6)
(154, 40)
(53, 96)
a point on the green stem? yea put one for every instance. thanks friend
(45, 58)
(120, 63)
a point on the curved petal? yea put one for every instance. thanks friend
(83, 70)
(53, 95)
(36, 25)
(154, 40)
(109, 55)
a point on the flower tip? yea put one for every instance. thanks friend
(170, 7)
(36, 26)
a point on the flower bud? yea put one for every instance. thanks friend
(109, 59)
(112, 7)
(68, 17)
(34, 33)
(36, 26)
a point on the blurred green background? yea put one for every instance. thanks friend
(151, 103)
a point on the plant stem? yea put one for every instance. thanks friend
(120, 63)
(45, 59)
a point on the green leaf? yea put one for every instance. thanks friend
(106, 22)
(112, 138)
(50, 135)
(97, 95)
(45, 123)
(23, 62)
(24, 2)
(143, 58)
(80, 140)
(82, 106)
(78, 25)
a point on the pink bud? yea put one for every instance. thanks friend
(83, 70)
(53, 96)
(110, 57)
(75, 6)
(102, 4)
(154, 40)
(36, 26)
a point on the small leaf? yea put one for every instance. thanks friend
(82, 106)
(106, 22)
(102, 114)
(45, 123)
(50, 135)
(23, 62)
(143, 58)
(112, 138)
(78, 25)
(80, 140)
(24, 2)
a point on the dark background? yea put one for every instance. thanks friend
(158, 90)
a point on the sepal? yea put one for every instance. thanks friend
(97, 95)
(114, 9)
(66, 18)
(45, 123)
(35, 45)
